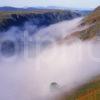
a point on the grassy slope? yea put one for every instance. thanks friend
(91, 90)
(94, 30)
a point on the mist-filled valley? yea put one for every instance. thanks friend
(38, 63)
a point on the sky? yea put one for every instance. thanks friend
(85, 4)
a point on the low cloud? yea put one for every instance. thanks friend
(29, 77)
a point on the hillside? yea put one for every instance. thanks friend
(90, 27)
(93, 20)
(91, 90)
(35, 17)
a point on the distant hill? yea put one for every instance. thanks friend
(7, 8)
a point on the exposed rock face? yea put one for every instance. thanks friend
(39, 19)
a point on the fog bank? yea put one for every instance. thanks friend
(67, 66)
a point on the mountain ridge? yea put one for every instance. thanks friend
(36, 17)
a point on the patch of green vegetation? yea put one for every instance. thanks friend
(90, 91)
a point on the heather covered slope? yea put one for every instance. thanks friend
(89, 27)
(93, 21)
